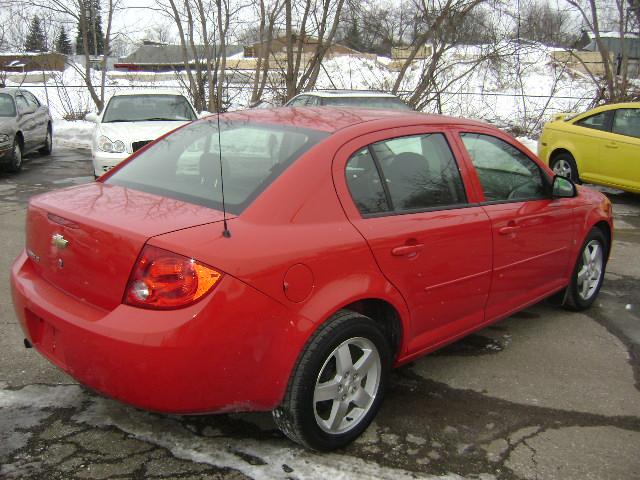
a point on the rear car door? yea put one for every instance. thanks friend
(403, 190)
(592, 132)
(532, 232)
(26, 122)
(40, 117)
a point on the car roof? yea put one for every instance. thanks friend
(10, 91)
(349, 93)
(148, 91)
(332, 119)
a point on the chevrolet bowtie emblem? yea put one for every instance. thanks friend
(59, 241)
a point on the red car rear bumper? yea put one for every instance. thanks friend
(232, 351)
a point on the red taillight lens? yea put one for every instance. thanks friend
(162, 279)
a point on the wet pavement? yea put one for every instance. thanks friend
(545, 394)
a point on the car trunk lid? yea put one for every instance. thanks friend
(85, 240)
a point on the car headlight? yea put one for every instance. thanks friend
(4, 137)
(106, 145)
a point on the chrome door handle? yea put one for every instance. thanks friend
(407, 250)
(507, 230)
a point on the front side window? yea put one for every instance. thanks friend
(23, 106)
(626, 121)
(186, 164)
(146, 108)
(505, 173)
(599, 121)
(419, 173)
(7, 107)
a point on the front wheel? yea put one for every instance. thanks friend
(588, 272)
(15, 162)
(337, 385)
(565, 166)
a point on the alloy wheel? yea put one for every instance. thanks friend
(347, 385)
(563, 168)
(590, 273)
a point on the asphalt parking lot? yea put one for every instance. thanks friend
(544, 394)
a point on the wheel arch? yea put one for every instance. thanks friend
(20, 138)
(605, 228)
(559, 151)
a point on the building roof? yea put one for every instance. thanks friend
(168, 54)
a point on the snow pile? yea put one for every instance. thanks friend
(72, 134)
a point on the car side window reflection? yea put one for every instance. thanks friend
(599, 121)
(22, 104)
(420, 173)
(626, 121)
(505, 173)
(364, 183)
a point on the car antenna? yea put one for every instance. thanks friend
(225, 233)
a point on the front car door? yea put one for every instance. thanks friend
(403, 190)
(620, 151)
(532, 233)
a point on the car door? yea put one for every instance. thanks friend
(532, 232)
(40, 117)
(620, 151)
(403, 190)
(589, 135)
(26, 122)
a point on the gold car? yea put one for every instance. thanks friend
(600, 146)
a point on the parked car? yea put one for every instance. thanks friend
(343, 244)
(25, 125)
(601, 146)
(133, 119)
(348, 98)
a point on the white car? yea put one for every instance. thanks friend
(348, 98)
(131, 120)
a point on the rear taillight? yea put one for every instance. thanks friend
(162, 280)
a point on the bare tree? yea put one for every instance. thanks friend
(269, 15)
(615, 67)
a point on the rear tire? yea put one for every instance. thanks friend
(564, 165)
(15, 162)
(337, 385)
(588, 272)
(47, 148)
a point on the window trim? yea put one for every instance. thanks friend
(392, 210)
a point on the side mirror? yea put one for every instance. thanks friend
(563, 188)
(91, 117)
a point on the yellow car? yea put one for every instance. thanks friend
(600, 146)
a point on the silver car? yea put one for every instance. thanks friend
(25, 125)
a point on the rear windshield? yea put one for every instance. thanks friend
(147, 108)
(7, 107)
(186, 164)
(366, 102)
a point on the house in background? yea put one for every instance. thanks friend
(309, 45)
(160, 57)
(32, 62)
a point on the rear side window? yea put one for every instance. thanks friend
(505, 173)
(418, 173)
(186, 164)
(626, 121)
(366, 102)
(599, 121)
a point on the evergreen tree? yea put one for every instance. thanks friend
(35, 38)
(94, 29)
(353, 39)
(63, 44)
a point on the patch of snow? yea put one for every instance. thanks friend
(72, 134)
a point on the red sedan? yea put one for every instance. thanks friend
(345, 243)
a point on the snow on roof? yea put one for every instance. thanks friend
(613, 35)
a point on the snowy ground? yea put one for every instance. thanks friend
(519, 92)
